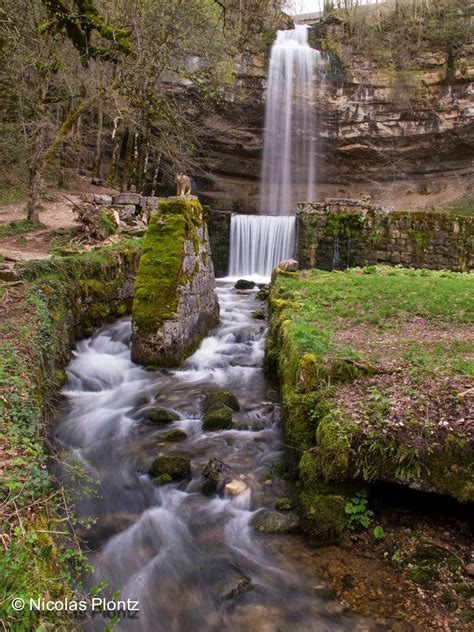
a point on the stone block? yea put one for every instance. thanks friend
(126, 198)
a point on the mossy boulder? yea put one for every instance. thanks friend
(161, 416)
(218, 399)
(245, 284)
(218, 419)
(322, 517)
(174, 304)
(176, 435)
(177, 467)
(258, 314)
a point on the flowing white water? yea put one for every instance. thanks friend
(192, 562)
(289, 150)
(259, 242)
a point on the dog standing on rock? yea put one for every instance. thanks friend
(183, 184)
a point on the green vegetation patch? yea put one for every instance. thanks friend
(376, 369)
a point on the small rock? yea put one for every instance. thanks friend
(275, 522)
(177, 467)
(244, 284)
(175, 435)
(288, 265)
(103, 200)
(212, 472)
(235, 488)
(161, 416)
(262, 294)
(470, 569)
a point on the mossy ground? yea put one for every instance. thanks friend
(376, 368)
(54, 302)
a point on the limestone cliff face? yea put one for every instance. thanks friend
(175, 304)
(374, 128)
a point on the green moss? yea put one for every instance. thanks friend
(284, 504)
(323, 517)
(218, 419)
(178, 467)
(160, 416)
(163, 479)
(334, 449)
(218, 399)
(343, 224)
(175, 435)
(258, 314)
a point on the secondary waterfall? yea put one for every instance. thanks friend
(259, 242)
(288, 172)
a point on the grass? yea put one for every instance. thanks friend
(382, 299)
(17, 228)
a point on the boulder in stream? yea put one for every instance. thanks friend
(217, 399)
(160, 416)
(177, 467)
(175, 435)
(218, 419)
(245, 284)
(174, 305)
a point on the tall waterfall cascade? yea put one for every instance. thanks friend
(259, 242)
(289, 149)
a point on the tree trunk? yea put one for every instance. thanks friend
(34, 196)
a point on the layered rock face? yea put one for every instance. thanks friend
(417, 139)
(175, 304)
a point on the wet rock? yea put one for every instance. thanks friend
(218, 399)
(161, 416)
(244, 284)
(284, 504)
(235, 488)
(258, 314)
(288, 265)
(275, 522)
(177, 467)
(212, 472)
(175, 435)
(218, 419)
(262, 294)
(242, 587)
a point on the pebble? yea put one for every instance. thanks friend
(470, 569)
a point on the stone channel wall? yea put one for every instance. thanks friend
(342, 233)
(219, 238)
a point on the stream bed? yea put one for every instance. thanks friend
(192, 562)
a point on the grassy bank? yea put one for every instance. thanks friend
(377, 370)
(52, 303)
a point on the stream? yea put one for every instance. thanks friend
(192, 562)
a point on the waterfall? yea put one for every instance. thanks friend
(288, 172)
(259, 242)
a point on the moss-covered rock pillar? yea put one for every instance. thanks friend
(175, 304)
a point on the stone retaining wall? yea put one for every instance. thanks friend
(341, 233)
